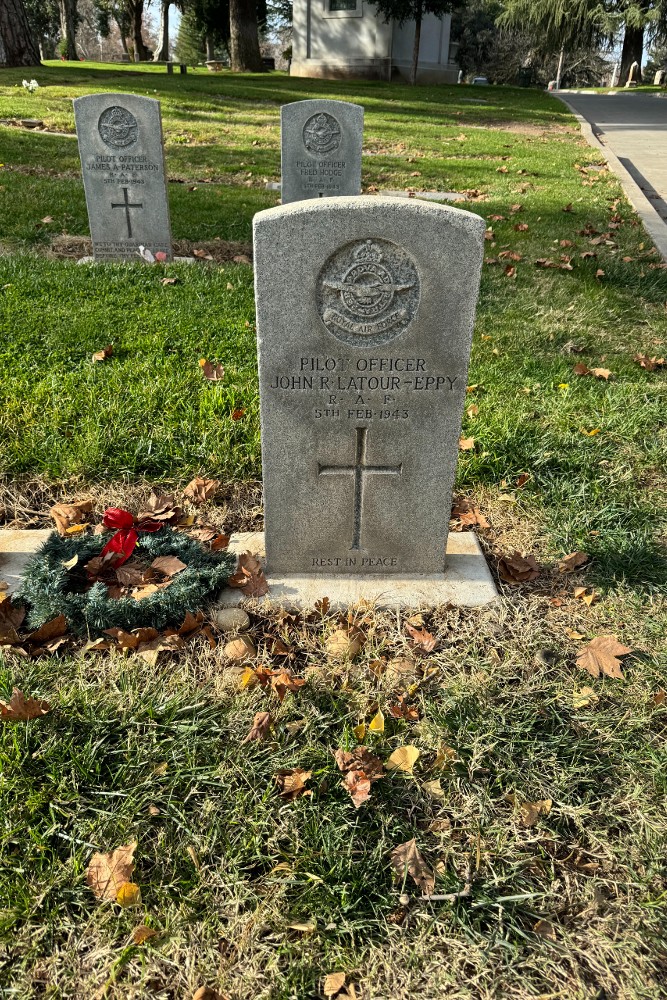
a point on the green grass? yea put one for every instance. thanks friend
(83, 777)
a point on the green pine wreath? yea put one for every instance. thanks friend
(47, 585)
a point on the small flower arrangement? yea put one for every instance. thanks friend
(30, 85)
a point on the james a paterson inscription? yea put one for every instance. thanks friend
(320, 149)
(122, 161)
(360, 445)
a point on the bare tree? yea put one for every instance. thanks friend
(162, 48)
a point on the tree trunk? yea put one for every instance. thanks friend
(210, 49)
(123, 42)
(17, 46)
(162, 52)
(68, 23)
(633, 50)
(415, 50)
(244, 34)
(141, 53)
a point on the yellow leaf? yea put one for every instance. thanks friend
(248, 678)
(142, 933)
(586, 696)
(466, 444)
(564, 385)
(571, 634)
(445, 755)
(129, 894)
(75, 529)
(376, 725)
(333, 983)
(360, 731)
(303, 928)
(161, 770)
(403, 759)
(590, 434)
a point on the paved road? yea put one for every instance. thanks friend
(634, 126)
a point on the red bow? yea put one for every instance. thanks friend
(123, 543)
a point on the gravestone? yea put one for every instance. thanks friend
(320, 149)
(122, 160)
(365, 310)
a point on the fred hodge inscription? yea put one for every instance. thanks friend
(365, 309)
(320, 149)
(122, 160)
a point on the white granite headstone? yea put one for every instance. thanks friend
(320, 149)
(365, 310)
(122, 160)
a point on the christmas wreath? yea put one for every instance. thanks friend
(148, 575)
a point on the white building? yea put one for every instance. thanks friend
(340, 39)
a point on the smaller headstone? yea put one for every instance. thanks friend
(321, 149)
(122, 160)
(660, 78)
(633, 75)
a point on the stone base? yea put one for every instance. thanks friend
(131, 260)
(425, 195)
(466, 581)
(16, 549)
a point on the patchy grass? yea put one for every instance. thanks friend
(226, 866)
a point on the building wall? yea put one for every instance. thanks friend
(342, 43)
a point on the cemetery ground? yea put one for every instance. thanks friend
(537, 800)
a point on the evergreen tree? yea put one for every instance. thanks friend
(190, 42)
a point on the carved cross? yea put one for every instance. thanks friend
(127, 205)
(359, 471)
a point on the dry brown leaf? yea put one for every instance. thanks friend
(545, 930)
(530, 812)
(260, 727)
(600, 657)
(207, 992)
(422, 639)
(249, 576)
(142, 933)
(161, 507)
(214, 373)
(107, 873)
(649, 364)
(105, 353)
(292, 783)
(199, 490)
(466, 444)
(403, 759)
(150, 651)
(66, 515)
(572, 562)
(515, 568)
(148, 590)
(344, 644)
(467, 515)
(333, 984)
(169, 565)
(21, 708)
(407, 859)
(659, 698)
(283, 681)
(361, 768)
(241, 648)
(49, 630)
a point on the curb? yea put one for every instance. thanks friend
(651, 221)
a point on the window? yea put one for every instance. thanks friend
(342, 8)
(335, 5)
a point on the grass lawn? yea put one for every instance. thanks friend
(572, 905)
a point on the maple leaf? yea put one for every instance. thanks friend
(260, 727)
(102, 355)
(68, 515)
(292, 783)
(401, 710)
(214, 373)
(422, 639)
(467, 515)
(601, 657)
(521, 227)
(572, 562)
(361, 768)
(649, 364)
(515, 568)
(249, 576)
(283, 682)
(407, 859)
(199, 490)
(530, 812)
(11, 617)
(108, 873)
(21, 708)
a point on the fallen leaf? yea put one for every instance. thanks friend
(49, 630)
(422, 639)
(585, 696)
(601, 657)
(545, 929)
(260, 727)
(443, 757)
(403, 759)
(206, 992)
(406, 859)
(129, 894)
(237, 414)
(68, 514)
(360, 732)
(142, 933)
(530, 812)
(596, 430)
(572, 634)
(515, 568)
(322, 606)
(105, 353)
(468, 515)
(402, 710)
(344, 644)
(292, 783)
(147, 591)
(466, 444)
(107, 873)
(169, 281)
(283, 681)
(200, 490)
(21, 708)
(659, 698)
(572, 562)
(304, 928)
(333, 984)
(161, 507)
(521, 227)
(249, 576)
(361, 769)
(434, 789)
(169, 565)
(649, 364)
(376, 725)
